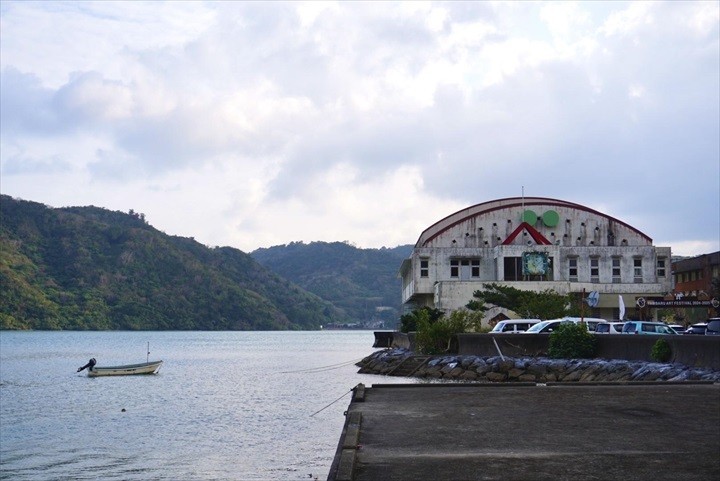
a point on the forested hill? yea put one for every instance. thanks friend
(364, 283)
(92, 268)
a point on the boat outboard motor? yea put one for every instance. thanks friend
(89, 365)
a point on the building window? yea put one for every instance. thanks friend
(616, 278)
(573, 269)
(465, 268)
(513, 268)
(424, 268)
(594, 269)
(661, 267)
(637, 271)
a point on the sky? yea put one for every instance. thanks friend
(255, 124)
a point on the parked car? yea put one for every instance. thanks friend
(549, 325)
(698, 328)
(591, 322)
(647, 327)
(678, 328)
(609, 327)
(514, 325)
(713, 327)
(545, 327)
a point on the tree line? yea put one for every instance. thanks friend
(92, 268)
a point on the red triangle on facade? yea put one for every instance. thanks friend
(537, 237)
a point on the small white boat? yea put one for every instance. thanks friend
(148, 367)
(151, 367)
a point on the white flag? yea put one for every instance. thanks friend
(622, 307)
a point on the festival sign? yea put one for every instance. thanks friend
(661, 302)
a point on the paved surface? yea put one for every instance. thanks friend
(441, 432)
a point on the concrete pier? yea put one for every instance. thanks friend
(645, 431)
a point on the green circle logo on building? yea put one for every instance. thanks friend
(529, 216)
(551, 218)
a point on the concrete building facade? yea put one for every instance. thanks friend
(534, 243)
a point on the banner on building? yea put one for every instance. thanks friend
(661, 302)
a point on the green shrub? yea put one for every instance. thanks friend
(572, 341)
(661, 351)
(409, 321)
(434, 337)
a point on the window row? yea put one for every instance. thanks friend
(516, 269)
(615, 269)
(459, 268)
(689, 276)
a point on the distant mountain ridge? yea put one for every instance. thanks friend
(363, 283)
(91, 268)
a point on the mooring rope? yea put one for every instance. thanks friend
(324, 368)
(316, 412)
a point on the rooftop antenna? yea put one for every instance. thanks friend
(523, 200)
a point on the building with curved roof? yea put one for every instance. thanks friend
(534, 243)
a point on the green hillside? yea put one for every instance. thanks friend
(363, 283)
(91, 268)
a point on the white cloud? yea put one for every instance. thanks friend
(564, 19)
(630, 20)
(89, 96)
(54, 39)
(690, 248)
(337, 205)
(636, 91)
(270, 122)
(703, 18)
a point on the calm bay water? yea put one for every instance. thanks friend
(225, 405)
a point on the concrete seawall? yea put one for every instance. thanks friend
(689, 350)
(468, 367)
(520, 415)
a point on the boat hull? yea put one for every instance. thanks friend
(126, 370)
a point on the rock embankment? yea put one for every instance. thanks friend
(531, 369)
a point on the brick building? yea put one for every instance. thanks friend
(697, 278)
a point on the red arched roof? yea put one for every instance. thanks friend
(487, 207)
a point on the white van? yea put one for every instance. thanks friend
(591, 322)
(548, 326)
(514, 325)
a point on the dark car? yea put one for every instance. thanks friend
(698, 328)
(713, 327)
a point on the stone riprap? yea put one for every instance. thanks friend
(531, 369)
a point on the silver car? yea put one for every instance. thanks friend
(609, 327)
(514, 325)
(647, 327)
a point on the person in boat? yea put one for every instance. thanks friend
(89, 365)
